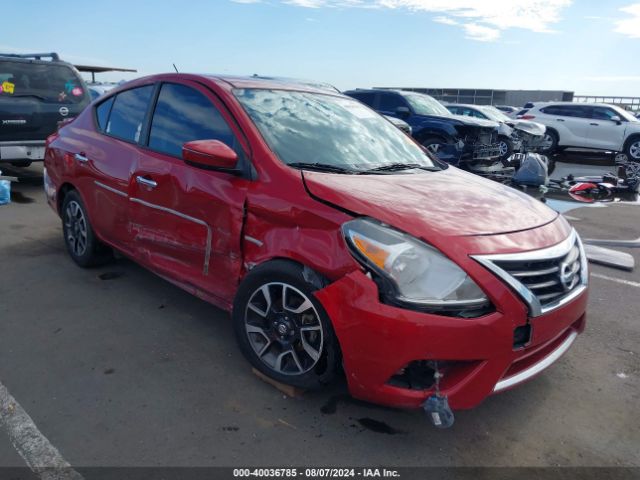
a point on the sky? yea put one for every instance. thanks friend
(589, 47)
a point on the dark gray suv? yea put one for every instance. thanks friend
(35, 95)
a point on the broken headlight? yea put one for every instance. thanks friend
(412, 271)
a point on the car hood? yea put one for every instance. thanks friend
(463, 120)
(532, 128)
(449, 202)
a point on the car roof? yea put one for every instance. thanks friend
(468, 105)
(272, 83)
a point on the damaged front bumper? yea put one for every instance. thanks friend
(388, 351)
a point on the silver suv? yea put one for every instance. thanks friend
(597, 126)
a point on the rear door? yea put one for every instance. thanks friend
(186, 221)
(388, 104)
(603, 132)
(570, 121)
(107, 161)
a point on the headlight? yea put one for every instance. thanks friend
(417, 273)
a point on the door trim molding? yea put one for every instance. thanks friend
(207, 255)
(111, 189)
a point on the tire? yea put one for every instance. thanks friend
(506, 147)
(432, 144)
(82, 245)
(292, 346)
(632, 149)
(23, 164)
(551, 137)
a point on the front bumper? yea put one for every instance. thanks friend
(27, 150)
(378, 340)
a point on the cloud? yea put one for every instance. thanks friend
(480, 20)
(629, 26)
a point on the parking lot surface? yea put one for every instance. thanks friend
(117, 367)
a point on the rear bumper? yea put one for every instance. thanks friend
(22, 150)
(379, 340)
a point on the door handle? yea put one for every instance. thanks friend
(594, 124)
(560, 119)
(147, 182)
(80, 157)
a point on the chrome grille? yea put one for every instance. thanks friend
(545, 279)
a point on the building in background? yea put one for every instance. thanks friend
(477, 96)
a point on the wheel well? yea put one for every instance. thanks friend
(62, 193)
(423, 135)
(554, 131)
(310, 274)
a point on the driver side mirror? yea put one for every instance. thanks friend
(209, 154)
(616, 119)
(403, 112)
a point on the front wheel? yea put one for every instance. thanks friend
(506, 147)
(282, 328)
(433, 144)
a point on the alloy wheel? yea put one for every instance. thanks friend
(634, 150)
(547, 142)
(284, 328)
(76, 228)
(504, 148)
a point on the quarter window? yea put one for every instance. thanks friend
(182, 115)
(128, 112)
(102, 112)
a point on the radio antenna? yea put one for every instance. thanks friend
(175, 68)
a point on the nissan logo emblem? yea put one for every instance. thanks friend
(64, 111)
(567, 276)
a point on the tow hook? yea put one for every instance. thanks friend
(437, 405)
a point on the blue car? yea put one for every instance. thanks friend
(467, 142)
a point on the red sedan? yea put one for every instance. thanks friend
(333, 238)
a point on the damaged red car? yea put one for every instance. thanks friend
(334, 239)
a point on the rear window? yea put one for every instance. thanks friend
(128, 112)
(48, 82)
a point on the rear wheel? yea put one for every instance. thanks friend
(549, 142)
(83, 246)
(282, 328)
(632, 149)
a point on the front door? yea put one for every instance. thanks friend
(186, 221)
(603, 132)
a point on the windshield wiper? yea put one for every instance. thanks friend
(396, 167)
(321, 167)
(30, 95)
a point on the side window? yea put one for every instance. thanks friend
(102, 113)
(389, 102)
(473, 113)
(127, 113)
(368, 98)
(566, 111)
(454, 110)
(602, 113)
(183, 114)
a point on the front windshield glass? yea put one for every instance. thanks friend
(494, 114)
(322, 129)
(426, 105)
